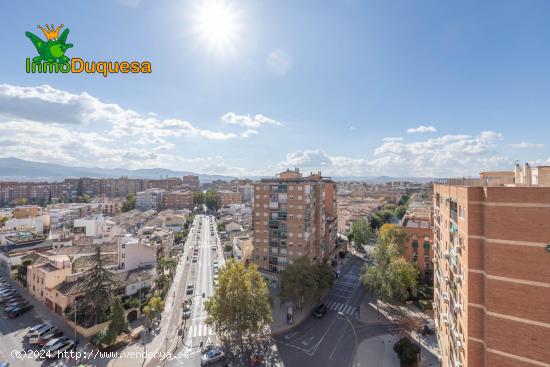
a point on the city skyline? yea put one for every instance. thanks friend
(246, 88)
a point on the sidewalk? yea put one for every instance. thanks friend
(377, 312)
(377, 352)
(279, 311)
(165, 340)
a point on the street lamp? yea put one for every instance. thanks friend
(340, 313)
(75, 305)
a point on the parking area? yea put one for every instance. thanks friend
(14, 326)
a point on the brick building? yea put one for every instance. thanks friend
(226, 197)
(492, 269)
(293, 216)
(179, 200)
(419, 245)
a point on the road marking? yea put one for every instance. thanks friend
(340, 307)
(347, 309)
(308, 341)
(311, 352)
(291, 335)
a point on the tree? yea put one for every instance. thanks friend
(198, 198)
(118, 324)
(98, 285)
(391, 277)
(240, 312)
(84, 198)
(400, 211)
(323, 275)
(404, 199)
(297, 281)
(211, 200)
(130, 203)
(407, 351)
(361, 233)
(153, 308)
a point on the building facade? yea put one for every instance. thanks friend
(179, 200)
(419, 245)
(492, 269)
(151, 199)
(226, 197)
(293, 216)
(191, 182)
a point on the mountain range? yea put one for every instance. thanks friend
(15, 169)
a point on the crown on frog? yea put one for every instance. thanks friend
(50, 31)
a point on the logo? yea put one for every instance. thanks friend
(52, 59)
(53, 49)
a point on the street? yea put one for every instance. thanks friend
(333, 339)
(201, 276)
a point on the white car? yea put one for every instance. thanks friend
(35, 337)
(37, 329)
(56, 350)
(212, 356)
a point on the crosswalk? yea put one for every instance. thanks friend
(196, 331)
(340, 307)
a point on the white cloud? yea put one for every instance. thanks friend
(248, 120)
(422, 129)
(50, 125)
(390, 139)
(524, 145)
(352, 128)
(448, 155)
(278, 63)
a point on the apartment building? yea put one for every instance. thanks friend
(44, 275)
(191, 182)
(293, 216)
(419, 245)
(179, 200)
(133, 253)
(492, 269)
(226, 197)
(151, 199)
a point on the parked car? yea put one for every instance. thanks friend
(53, 342)
(35, 338)
(56, 350)
(320, 311)
(34, 329)
(195, 258)
(213, 355)
(190, 289)
(5, 294)
(12, 299)
(186, 312)
(12, 306)
(46, 338)
(19, 311)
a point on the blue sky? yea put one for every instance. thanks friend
(340, 86)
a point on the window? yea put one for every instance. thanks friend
(123, 255)
(123, 245)
(461, 212)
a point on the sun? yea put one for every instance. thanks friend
(217, 24)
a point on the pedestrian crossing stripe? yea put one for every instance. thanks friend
(340, 307)
(196, 331)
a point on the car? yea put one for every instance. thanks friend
(320, 311)
(15, 305)
(213, 355)
(337, 274)
(190, 289)
(35, 337)
(186, 312)
(214, 248)
(6, 293)
(52, 335)
(57, 349)
(12, 299)
(216, 270)
(35, 328)
(19, 311)
(215, 263)
(53, 342)
(195, 258)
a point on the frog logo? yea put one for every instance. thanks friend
(53, 49)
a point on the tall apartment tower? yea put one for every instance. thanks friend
(492, 269)
(293, 216)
